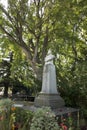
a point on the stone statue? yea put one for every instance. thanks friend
(49, 75)
(49, 96)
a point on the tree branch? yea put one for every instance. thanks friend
(6, 13)
(8, 34)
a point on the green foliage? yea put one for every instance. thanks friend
(25, 120)
(5, 107)
(11, 116)
(36, 26)
(5, 104)
(73, 85)
(44, 119)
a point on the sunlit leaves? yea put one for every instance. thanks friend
(36, 26)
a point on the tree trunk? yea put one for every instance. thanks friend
(6, 90)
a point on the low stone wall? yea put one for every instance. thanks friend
(20, 97)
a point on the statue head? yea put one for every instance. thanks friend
(49, 58)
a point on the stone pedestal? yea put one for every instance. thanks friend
(49, 96)
(51, 100)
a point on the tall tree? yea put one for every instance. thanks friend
(36, 25)
(27, 24)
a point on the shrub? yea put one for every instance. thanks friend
(5, 106)
(44, 119)
(12, 118)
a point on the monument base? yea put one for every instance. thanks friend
(50, 100)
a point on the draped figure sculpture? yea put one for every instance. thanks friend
(49, 95)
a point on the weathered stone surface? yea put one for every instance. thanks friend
(49, 85)
(50, 100)
(49, 96)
